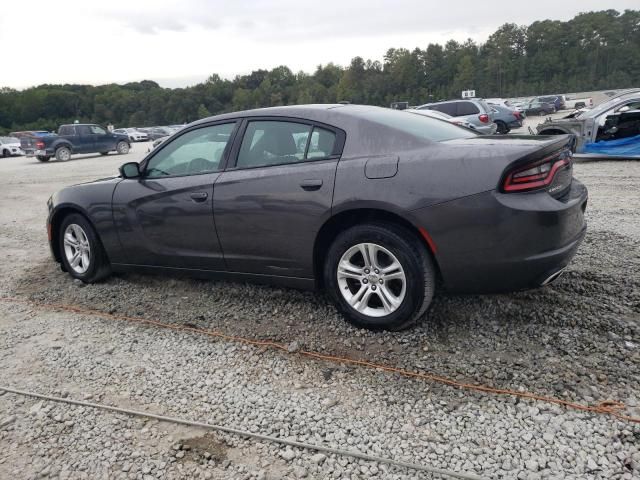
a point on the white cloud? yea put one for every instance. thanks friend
(180, 42)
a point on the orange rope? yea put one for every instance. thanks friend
(609, 407)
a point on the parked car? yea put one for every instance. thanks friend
(578, 103)
(540, 108)
(75, 138)
(157, 142)
(10, 146)
(558, 101)
(474, 111)
(441, 116)
(617, 118)
(155, 133)
(134, 134)
(504, 103)
(374, 207)
(506, 118)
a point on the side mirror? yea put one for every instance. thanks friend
(130, 170)
(626, 108)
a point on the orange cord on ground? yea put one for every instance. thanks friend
(609, 407)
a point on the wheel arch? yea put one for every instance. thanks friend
(56, 220)
(554, 131)
(355, 216)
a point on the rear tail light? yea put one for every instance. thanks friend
(537, 174)
(40, 145)
(484, 118)
(516, 114)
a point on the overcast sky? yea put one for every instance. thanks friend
(179, 43)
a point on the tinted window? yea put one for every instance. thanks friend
(448, 108)
(197, 151)
(417, 125)
(273, 143)
(82, 130)
(66, 130)
(321, 144)
(467, 108)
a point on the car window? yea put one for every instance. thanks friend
(66, 130)
(82, 130)
(419, 126)
(467, 108)
(197, 151)
(448, 108)
(321, 143)
(273, 143)
(95, 129)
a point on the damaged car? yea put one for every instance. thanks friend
(611, 128)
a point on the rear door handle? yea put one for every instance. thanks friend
(199, 197)
(312, 184)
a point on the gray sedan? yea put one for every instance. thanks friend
(373, 205)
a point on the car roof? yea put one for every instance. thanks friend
(336, 114)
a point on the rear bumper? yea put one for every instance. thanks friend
(495, 242)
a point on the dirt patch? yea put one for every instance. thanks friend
(200, 449)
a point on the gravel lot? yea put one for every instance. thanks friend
(577, 339)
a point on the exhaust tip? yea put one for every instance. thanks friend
(552, 277)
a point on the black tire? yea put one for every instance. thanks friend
(5, 153)
(502, 127)
(104, 153)
(580, 105)
(98, 265)
(63, 154)
(412, 255)
(122, 148)
(43, 158)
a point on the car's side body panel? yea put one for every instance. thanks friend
(263, 221)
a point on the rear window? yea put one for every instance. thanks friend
(417, 125)
(66, 130)
(467, 108)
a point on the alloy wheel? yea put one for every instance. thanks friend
(371, 279)
(77, 249)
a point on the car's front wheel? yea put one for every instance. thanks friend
(43, 158)
(380, 276)
(122, 148)
(82, 253)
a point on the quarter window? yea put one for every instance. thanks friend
(321, 144)
(197, 151)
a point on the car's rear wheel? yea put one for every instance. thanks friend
(122, 148)
(380, 276)
(63, 154)
(82, 253)
(5, 153)
(43, 158)
(502, 127)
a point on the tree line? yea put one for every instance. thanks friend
(592, 51)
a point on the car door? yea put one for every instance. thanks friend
(165, 217)
(104, 141)
(83, 140)
(271, 202)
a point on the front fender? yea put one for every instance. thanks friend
(94, 201)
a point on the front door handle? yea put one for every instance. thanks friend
(199, 197)
(312, 184)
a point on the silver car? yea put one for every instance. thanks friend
(473, 110)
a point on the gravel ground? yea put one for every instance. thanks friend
(577, 339)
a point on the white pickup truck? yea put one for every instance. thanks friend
(571, 102)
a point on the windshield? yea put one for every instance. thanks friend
(417, 125)
(603, 107)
